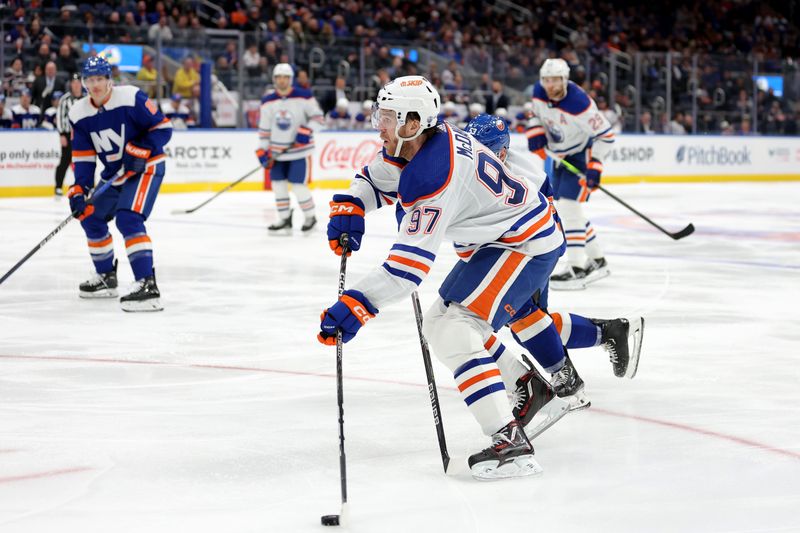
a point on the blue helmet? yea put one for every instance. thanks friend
(491, 131)
(96, 66)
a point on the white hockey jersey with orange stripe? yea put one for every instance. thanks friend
(283, 117)
(455, 189)
(571, 124)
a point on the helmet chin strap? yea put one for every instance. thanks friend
(401, 139)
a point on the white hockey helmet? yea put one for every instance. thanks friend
(555, 68)
(449, 107)
(528, 107)
(501, 112)
(476, 108)
(411, 94)
(283, 69)
(367, 104)
(342, 103)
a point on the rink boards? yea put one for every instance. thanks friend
(202, 160)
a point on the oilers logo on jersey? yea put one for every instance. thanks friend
(555, 132)
(283, 119)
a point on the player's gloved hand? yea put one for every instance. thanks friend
(303, 135)
(347, 216)
(347, 315)
(537, 143)
(77, 202)
(134, 159)
(595, 168)
(264, 157)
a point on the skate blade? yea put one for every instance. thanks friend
(144, 306)
(549, 414)
(104, 293)
(636, 332)
(522, 466)
(280, 232)
(597, 275)
(578, 401)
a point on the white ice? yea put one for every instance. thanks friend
(220, 413)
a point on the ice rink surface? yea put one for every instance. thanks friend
(219, 414)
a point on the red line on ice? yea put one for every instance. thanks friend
(655, 421)
(48, 473)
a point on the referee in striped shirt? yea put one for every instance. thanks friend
(64, 128)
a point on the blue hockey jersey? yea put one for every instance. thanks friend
(102, 132)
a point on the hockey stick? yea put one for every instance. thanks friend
(432, 392)
(337, 519)
(685, 232)
(227, 188)
(96, 192)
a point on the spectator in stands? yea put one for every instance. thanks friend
(231, 54)
(745, 128)
(339, 91)
(18, 31)
(15, 77)
(185, 78)
(178, 112)
(252, 60)
(160, 29)
(497, 98)
(363, 119)
(675, 126)
(646, 123)
(43, 55)
(726, 128)
(614, 116)
(44, 86)
(6, 118)
(272, 53)
(148, 75)
(339, 118)
(66, 61)
(301, 80)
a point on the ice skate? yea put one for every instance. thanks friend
(596, 269)
(100, 285)
(510, 455)
(535, 403)
(144, 297)
(573, 278)
(624, 354)
(309, 224)
(282, 227)
(568, 385)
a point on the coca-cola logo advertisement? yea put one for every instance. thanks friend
(345, 154)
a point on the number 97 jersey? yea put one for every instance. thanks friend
(454, 188)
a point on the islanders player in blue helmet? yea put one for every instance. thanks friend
(576, 331)
(126, 132)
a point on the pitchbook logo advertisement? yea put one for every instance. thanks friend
(713, 155)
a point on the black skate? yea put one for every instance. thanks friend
(309, 224)
(510, 455)
(571, 279)
(596, 269)
(100, 285)
(144, 297)
(534, 395)
(614, 339)
(282, 227)
(569, 385)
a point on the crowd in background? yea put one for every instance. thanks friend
(484, 51)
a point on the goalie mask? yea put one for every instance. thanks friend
(405, 95)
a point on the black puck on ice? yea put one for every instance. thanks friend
(330, 520)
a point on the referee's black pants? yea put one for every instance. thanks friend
(63, 164)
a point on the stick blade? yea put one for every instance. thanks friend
(329, 520)
(685, 232)
(180, 211)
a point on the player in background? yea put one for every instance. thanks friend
(450, 114)
(339, 118)
(64, 128)
(49, 116)
(523, 117)
(576, 331)
(363, 119)
(567, 122)
(126, 131)
(178, 113)
(289, 118)
(25, 115)
(508, 241)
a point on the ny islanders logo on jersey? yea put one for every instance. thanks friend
(109, 142)
(283, 119)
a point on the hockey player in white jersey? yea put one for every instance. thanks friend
(576, 331)
(508, 240)
(289, 118)
(567, 122)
